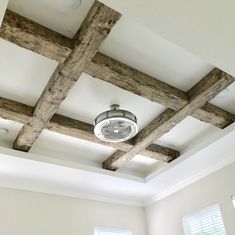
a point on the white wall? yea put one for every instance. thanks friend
(165, 217)
(29, 213)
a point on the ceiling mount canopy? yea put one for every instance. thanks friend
(115, 125)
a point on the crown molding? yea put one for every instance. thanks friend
(204, 173)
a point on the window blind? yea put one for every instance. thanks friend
(111, 231)
(205, 222)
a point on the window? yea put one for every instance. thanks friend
(111, 231)
(205, 222)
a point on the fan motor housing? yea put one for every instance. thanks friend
(115, 125)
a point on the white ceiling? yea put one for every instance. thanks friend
(89, 97)
(186, 133)
(133, 41)
(226, 99)
(30, 75)
(45, 174)
(143, 49)
(62, 16)
(204, 28)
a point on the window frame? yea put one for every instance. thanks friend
(110, 229)
(198, 212)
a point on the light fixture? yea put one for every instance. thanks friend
(115, 125)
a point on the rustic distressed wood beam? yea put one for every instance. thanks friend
(46, 42)
(35, 37)
(127, 78)
(214, 115)
(93, 31)
(15, 111)
(199, 95)
(132, 80)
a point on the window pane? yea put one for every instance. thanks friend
(111, 231)
(205, 222)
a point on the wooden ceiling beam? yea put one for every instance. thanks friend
(199, 95)
(214, 115)
(35, 37)
(18, 112)
(132, 80)
(46, 42)
(30, 35)
(94, 29)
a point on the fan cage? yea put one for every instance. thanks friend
(115, 115)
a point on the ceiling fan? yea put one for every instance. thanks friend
(115, 125)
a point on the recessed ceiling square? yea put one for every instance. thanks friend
(187, 133)
(143, 49)
(25, 73)
(226, 99)
(64, 17)
(89, 97)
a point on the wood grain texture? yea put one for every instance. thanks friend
(214, 115)
(127, 78)
(35, 37)
(46, 42)
(15, 111)
(93, 31)
(199, 95)
(132, 80)
(82, 130)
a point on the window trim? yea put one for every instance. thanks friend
(110, 229)
(199, 211)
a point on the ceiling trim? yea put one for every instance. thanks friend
(68, 164)
(44, 159)
(189, 181)
(9, 153)
(91, 197)
(195, 148)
